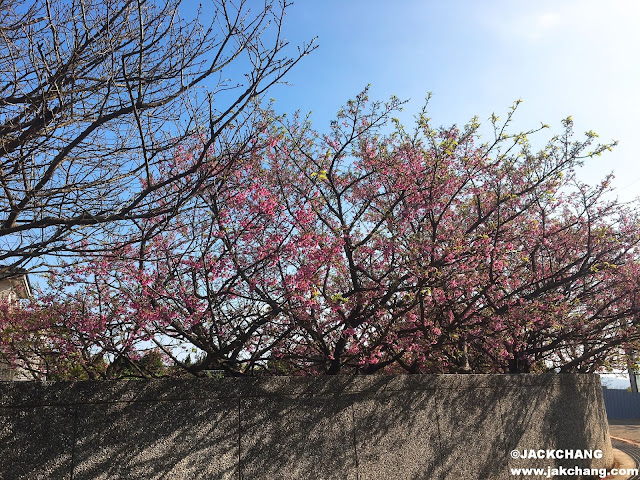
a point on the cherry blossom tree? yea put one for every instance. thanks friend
(95, 96)
(366, 249)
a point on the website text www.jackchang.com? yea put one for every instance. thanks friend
(575, 471)
(552, 471)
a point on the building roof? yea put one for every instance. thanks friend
(18, 279)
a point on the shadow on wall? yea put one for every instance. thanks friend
(563, 413)
(378, 427)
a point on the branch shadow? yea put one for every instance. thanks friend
(340, 427)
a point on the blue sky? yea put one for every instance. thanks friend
(574, 57)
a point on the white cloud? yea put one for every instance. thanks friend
(548, 21)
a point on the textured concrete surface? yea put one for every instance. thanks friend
(297, 437)
(157, 440)
(377, 427)
(479, 456)
(397, 435)
(36, 442)
(566, 415)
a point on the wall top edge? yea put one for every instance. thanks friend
(24, 394)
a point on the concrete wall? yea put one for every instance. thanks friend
(405, 427)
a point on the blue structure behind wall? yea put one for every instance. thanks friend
(621, 404)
